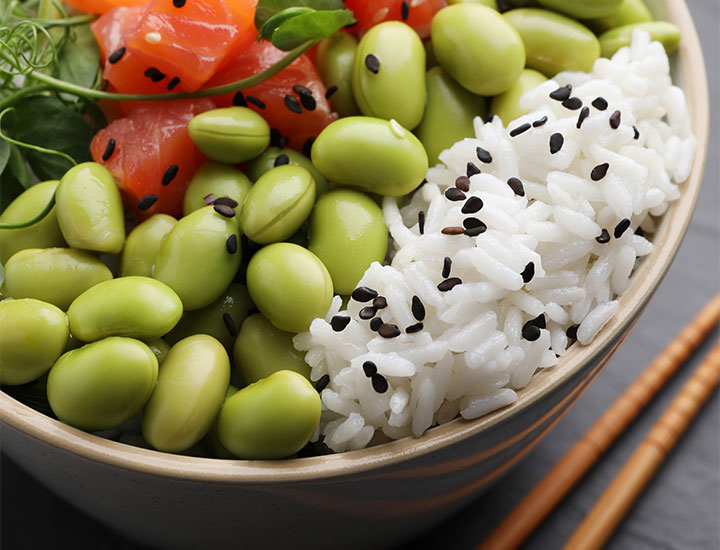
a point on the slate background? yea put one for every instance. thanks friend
(680, 510)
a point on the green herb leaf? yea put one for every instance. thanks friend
(14, 178)
(267, 8)
(279, 18)
(79, 61)
(310, 26)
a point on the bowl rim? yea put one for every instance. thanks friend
(643, 284)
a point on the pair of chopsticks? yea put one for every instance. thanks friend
(611, 507)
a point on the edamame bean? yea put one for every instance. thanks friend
(583, 9)
(334, 61)
(268, 160)
(477, 47)
(191, 387)
(278, 204)
(553, 42)
(136, 307)
(220, 180)
(507, 104)
(630, 11)
(43, 234)
(261, 350)
(54, 275)
(198, 259)
(372, 154)
(89, 209)
(143, 243)
(289, 285)
(347, 233)
(221, 319)
(389, 58)
(448, 114)
(33, 334)
(272, 418)
(160, 348)
(489, 3)
(101, 385)
(230, 135)
(664, 32)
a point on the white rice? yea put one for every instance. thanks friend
(470, 356)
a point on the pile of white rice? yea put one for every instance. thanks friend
(470, 356)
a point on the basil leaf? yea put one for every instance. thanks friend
(279, 18)
(267, 8)
(14, 178)
(79, 61)
(4, 154)
(309, 26)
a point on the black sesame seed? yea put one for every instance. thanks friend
(380, 302)
(530, 332)
(146, 202)
(372, 63)
(520, 129)
(231, 244)
(621, 227)
(405, 10)
(363, 294)
(369, 368)
(599, 171)
(224, 210)
(322, 383)
(307, 146)
(154, 74)
(615, 120)
(640, 232)
(306, 96)
(472, 205)
(421, 222)
(471, 170)
(517, 186)
(571, 332)
(600, 103)
(178, 3)
(367, 313)
(116, 55)
(418, 309)
(452, 230)
(572, 103)
(562, 93)
(109, 149)
(339, 322)
(540, 122)
(454, 194)
(528, 273)
(556, 142)
(603, 237)
(475, 231)
(283, 141)
(583, 115)
(470, 223)
(483, 155)
(463, 183)
(636, 132)
(302, 90)
(170, 174)
(539, 321)
(449, 284)
(256, 101)
(292, 104)
(239, 101)
(387, 330)
(375, 324)
(330, 91)
(281, 160)
(209, 199)
(229, 324)
(417, 327)
(379, 383)
(226, 201)
(174, 81)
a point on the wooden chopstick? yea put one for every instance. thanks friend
(612, 506)
(545, 496)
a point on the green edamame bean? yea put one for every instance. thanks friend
(553, 42)
(266, 162)
(191, 387)
(507, 104)
(477, 47)
(219, 179)
(289, 285)
(582, 9)
(347, 233)
(230, 135)
(43, 234)
(136, 307)
(664, 32)
(197, 259)
(160, 348)
(489, 3)
(334, 61)
(33, 334)
(389, 58)
(373, 154)
(212, 437)
(630, 11)
(142, 245)
(272, 418)
(90, 210)
(221, 319)
(448, 114)
(101, 385)
(53, 275)
(278, 204)
(261, 350)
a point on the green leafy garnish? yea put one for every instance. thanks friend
(308, 26)
(266, 9)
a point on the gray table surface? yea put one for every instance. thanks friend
(680, 510)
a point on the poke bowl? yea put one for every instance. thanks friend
(368, 498)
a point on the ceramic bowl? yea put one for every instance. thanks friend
(371, 498)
